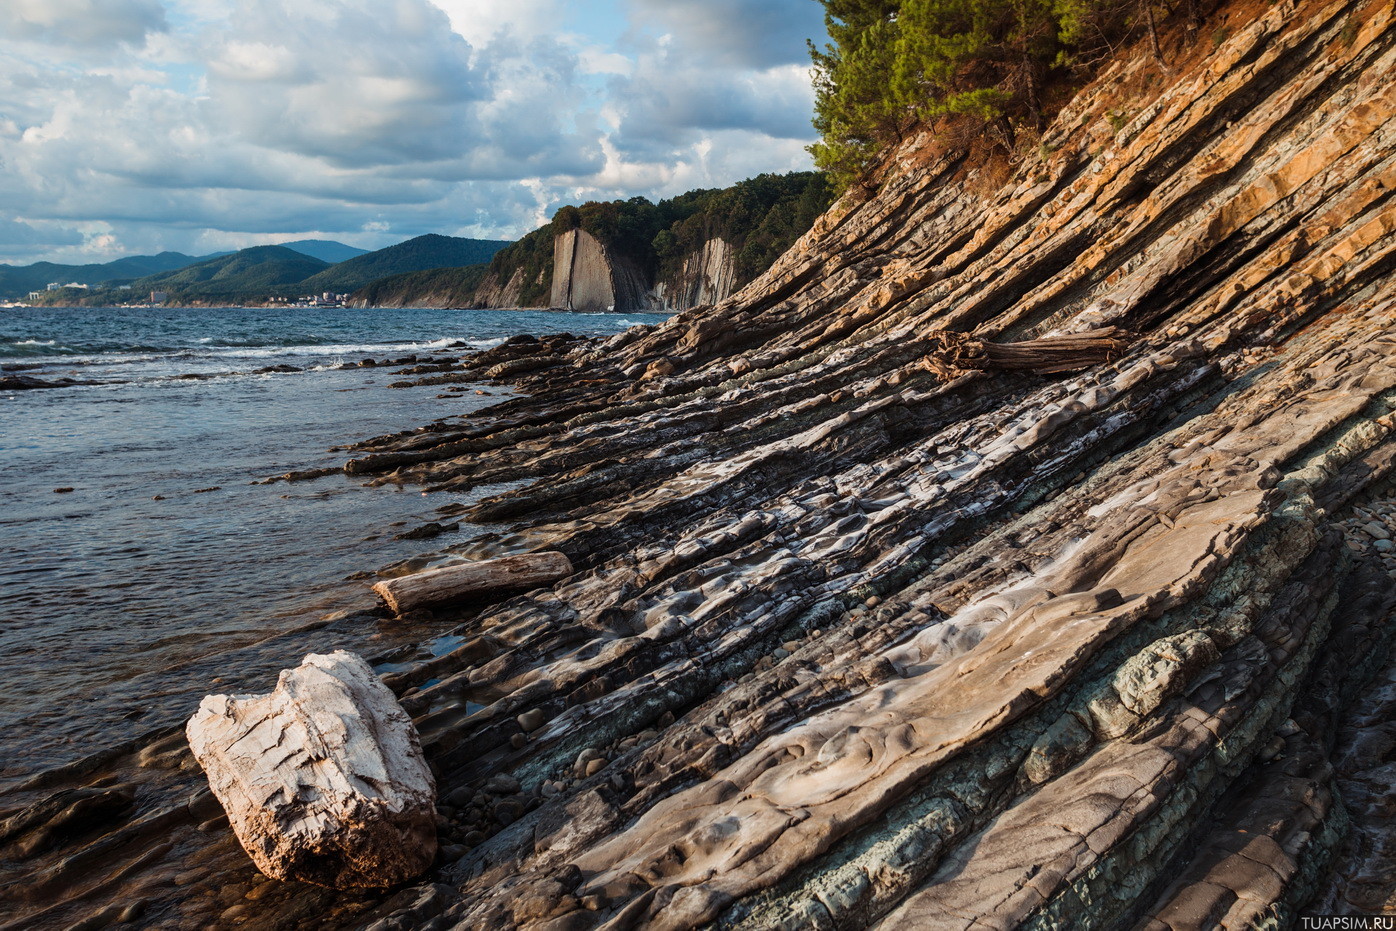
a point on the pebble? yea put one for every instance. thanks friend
(873, 602)
(595, 766)
(473, 838)
(518, 741)
(584, 759)
(502, 784)
(132, 911)
(531, 720)
(779, 653)
(1377, 531)
(507, 811)
(790, 645)
(1384, 546)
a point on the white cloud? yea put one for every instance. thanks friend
(204, 124)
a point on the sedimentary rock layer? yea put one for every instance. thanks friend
(849, 645)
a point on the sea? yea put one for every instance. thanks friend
(167, 572)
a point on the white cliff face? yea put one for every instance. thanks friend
(708, 276)
(323, 779)
(581, 274)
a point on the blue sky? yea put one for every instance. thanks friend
(133, 126)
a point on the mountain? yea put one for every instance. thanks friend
(419, 254)
(18, 280)
(260, 269)
(326, 250)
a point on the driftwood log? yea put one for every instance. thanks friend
(954, 354)
(472, 580)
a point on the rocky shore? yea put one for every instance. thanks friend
(853, 642)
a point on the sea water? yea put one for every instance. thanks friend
(165, 574)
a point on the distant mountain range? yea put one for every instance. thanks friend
(308, 266)
(18, 280)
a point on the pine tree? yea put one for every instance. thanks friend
(855, 112)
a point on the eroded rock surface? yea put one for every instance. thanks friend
(323, 779)
(849, 645)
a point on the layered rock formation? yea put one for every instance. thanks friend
(851, 645)
(706, 277)
(589, 278)
(323, 779)
(1060, 650)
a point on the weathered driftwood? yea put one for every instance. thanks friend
(954, 354)
(323, 779)
(472, 580)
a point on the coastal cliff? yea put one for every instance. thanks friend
(707, 276)
(588, 277)
(862, 633)
(694, 249)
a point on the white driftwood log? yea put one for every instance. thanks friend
(472, 579)
(323, 779)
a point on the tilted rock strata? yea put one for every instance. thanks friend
(1076, 589)
(848, 646)
(323, 779)
(705, 277)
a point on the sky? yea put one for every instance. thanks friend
(135, 126)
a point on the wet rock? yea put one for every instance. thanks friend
(427, 531)
(323, 779)
(532, 720)
(502, 784)
(30, 383)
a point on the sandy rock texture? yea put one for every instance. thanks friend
(323, 779)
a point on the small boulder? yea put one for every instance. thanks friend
(323, 779)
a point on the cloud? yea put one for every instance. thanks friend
(203, 123)
(756, 34)
(82, 23)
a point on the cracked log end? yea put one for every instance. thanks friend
(473, 580)
(323, 779)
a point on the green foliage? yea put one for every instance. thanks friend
(892, 64)
(759, 219)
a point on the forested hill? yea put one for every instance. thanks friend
(757, 220)
(423, 252)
